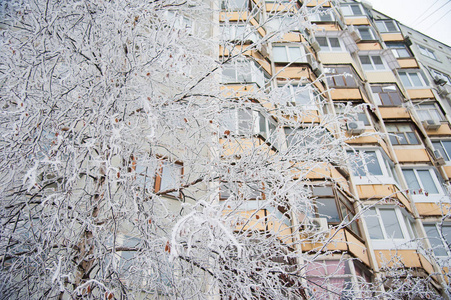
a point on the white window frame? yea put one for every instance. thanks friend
(234, 122)
(395, 49)
(409, 84)
(420, 195)
(244, 68)
(180, 21)
(370, 30)
(407, 229)
(295, 90)
(348, 12)
(329, 48)
(429, 107)
(231, 32)
(427, 52)
(388, 175)
(442, 149)
(442, 238)
(326, 13)
(301, 59)
(374, 66)
(382, 26)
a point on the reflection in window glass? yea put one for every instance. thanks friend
(391, 223)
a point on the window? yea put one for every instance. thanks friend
(179, 21)
(334, 206)
(372, 62)
(439, 236)
(322, 15)
(234, 4)
(235, 32)
(302, 96)
(387, 223)
(341, 77)
(413, 79)
(444, 147)
(237, 121)
(351, 9)
(329, 43)
(285, 54)
(402, 134)
(423, 184)
(440, 78)
(169, 177)
(427, 52)
(334, 277)
(387, 26)
(399, 50)
(278, 22)
(366, 33)
(429, 112)
(388, 95)
(267, 128)
(298, 137)
(354, 113)
(239, 190)
(371, 166)
(242, 71)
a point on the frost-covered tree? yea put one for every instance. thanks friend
(127, 171)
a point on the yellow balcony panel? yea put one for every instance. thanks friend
(391, 37)
(346, 94)
(357, 247)
(420, 93)
(277, 7)
(380, 191)
(429, 209)
(260, 29)
(412, 155)
(312, 3)
(328, 26)
(369, 137)
(369, 46)
(233, 16)
(292, 37)
(292, 72)
(406, 258)
(447, 170)
(335, 241)
(235, 146)
(443, 130)
(335, 58)
(238, 90)
(357, 21)
(407, 63)
(380, 77)
(394, 112)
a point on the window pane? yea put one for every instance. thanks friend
(328, 207)
(280, 54)
(334, 44)
(412, 138)
(427, 181)
(170, 177)
(365, 34)
(405, 79)
(356, 9)
(377, 60)
(447, 147)
(295, 54)
(391, 224)
(366, 62)
(372, 222)
(435, 240)
(322, 41)
(390, 26)
(411, 179)
(302, 96)
(415, 79)
(373, 164)
(245, 124)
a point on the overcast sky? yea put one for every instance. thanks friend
(431, 17)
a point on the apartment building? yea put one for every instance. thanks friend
(393, 84)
